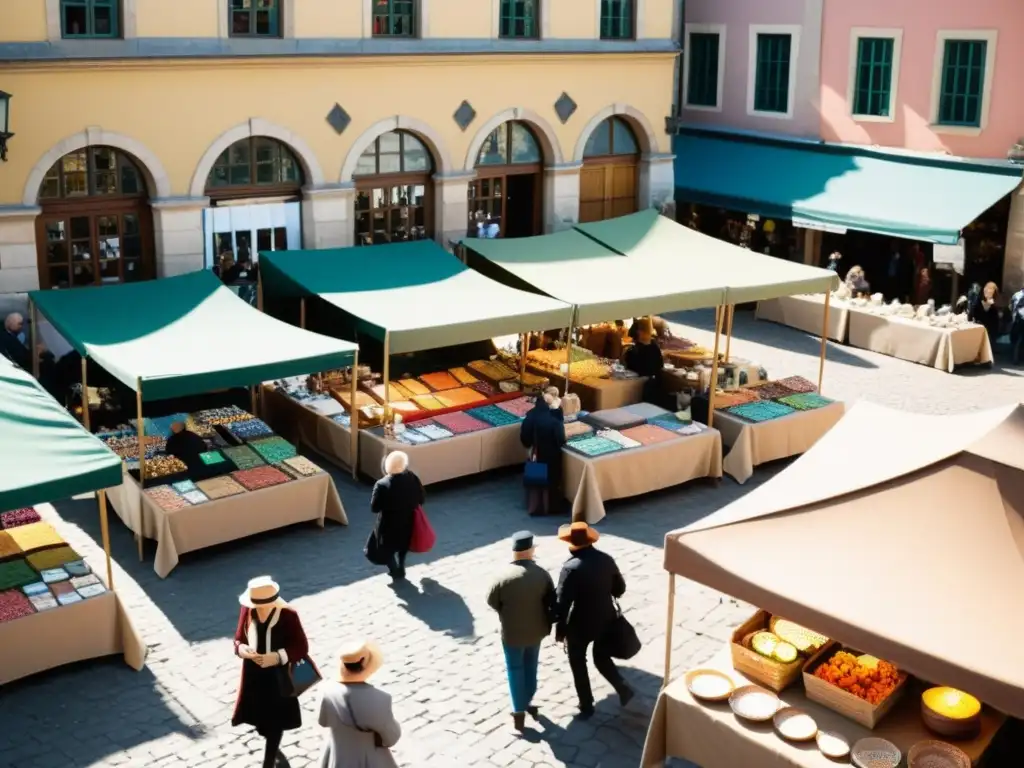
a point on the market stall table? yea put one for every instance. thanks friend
(596, 394)
(919, 342)
(300, 424)
(805, 313)
(710, 736)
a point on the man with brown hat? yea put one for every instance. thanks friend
(587, 588)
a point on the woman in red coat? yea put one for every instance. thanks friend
(269, 636)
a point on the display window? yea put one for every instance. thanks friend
(505, 198)
(394, 194)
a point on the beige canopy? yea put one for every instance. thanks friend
(899, 534)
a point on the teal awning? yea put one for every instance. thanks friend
(829, 186)
(185, 335)
(45, 454)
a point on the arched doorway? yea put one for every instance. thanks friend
(255, 191)
(508, 189)
(394, 196)
(609, 180)
(96, 226)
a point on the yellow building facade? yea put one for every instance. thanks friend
(154, 138)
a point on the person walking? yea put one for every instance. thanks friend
(588, 585)
(543, 433)
(394, 500)
(361, 721)
(269, 635)
(523, 594)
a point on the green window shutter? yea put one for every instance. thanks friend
(873, 90)
(702, 80)
(616, 19)
(771, 80)
(963, 82)
(518, 18)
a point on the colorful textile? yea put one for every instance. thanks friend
(494, 415)
(14, 605)
(429, 403)
(84, 581)
(166, 498)
(15, 574)
(460, 423)
(646, 411)
(649, 434)
(463, 376)
(617, 437)
(69, 598)
(16, 517)
(49, 576)
(92, 590)
(432, 431)
(411, 437)
(35, 536)
(36, 588)
(798, 384)
(593, 446)
(77, 568)
(250, 429)
(729, 398)
(414, 387)
(763, 410)
(62, 588)
(219, 487)
(772, 390)
(672, 424)
(194, 497)
(485, 389)
(48, 559)
(8, 546)
(440, 381)
(273, 450)
(44, 602)
(302, 466)
(260, 477)
(243, 456)
(577, 429)
(212, 457)
(183, 486)
(519, 407)
(363, 399)
(460, 396)
(805, 401)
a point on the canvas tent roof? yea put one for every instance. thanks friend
(185, 335)
(45, 454)
(416, 292)
(916, 554)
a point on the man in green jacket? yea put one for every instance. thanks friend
(523, 594)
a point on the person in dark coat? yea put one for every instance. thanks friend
(544, 437)
(12, 346)
(588, 585)
(644, 358)
(186, 445)
(982, 309)
(540, 407)
(269, 636)
(394, 500)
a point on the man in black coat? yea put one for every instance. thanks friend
(587, 587)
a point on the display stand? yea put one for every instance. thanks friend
(803, 313)
(918, 342)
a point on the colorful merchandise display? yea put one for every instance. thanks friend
(260, 477)
(429, 403)
(460, 423)
(441, 381)
(413, 387)
(805, 401)
(518, 407)
(593, 446)
(8, 546)
(303, 466)
(492, 370)
(649, 434)
(165, 497)
(463, 376)
(45, 559)
(274, 450)
(495, 416)
(763, 410)
(216, 416)
(219, 487)
(433, 431)
(243, 456)
(17, 517)
(35, 536)
(250, 429)
(617, 437)
(460, 396)
(798, 384)
(577, 429)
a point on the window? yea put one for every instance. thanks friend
(255, 162)
(255, 18)
(771, 75)
(89, 18)
(511, 143)
(611, 137)
(92, 172)
(963, 79)
(394, 18)
(518, 18)
(704, 47)
(874, 73)
(617, 20)
(393, 190)
(394, 152)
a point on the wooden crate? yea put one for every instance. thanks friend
(767, 672)
(843, 702)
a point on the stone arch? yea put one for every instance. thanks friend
(256, 126)
(642, 129)
(430, 137)
(158, 183)
(542, 129)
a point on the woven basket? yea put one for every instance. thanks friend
(838, 700)
(767, 672)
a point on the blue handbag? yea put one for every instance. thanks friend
(535, 474)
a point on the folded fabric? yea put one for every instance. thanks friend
(763, 410)
(463, 376)
(49, 559)
(50, 575)
(195, 497)
(260, 477)
(772, 390)
(243, 456)
(414, 387)
(36, 588)
(62, 588)
(69, 598)
(729, 398)
(35, 536)
(8, 546)
(460, 423)
(519, 407)
(219, 487)
(618, 437)
(577, 429)
(615, 418)
(432, 431)
(805, 401)
(493, 415)
(593, 446)
(14, 605)
(92, 590)
(429, 402)
(645, 411)
(440, 381)
(452, 398)
(84, 581)
(15, 574)
(16, 517)
(44, 602)
(77, 568)
(650, 434)
(302, 465)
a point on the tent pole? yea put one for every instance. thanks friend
(719, 316)
(34, 334)
(141, 429)
(105, 532)
(568, 349)
(669, 620)
(302, 313)
(259, 290)
(85, 396)
(353, 425)
(524, 348)
(824, 341)
(728, 333)
(252, 401)
(387, 376)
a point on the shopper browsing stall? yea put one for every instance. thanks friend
(982, 309)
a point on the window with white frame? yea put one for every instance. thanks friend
(874, 73)
(703, 66)
(962, 80)
(772, 70)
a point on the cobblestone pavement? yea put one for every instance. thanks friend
(443, 653)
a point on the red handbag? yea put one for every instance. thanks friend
(423, 536)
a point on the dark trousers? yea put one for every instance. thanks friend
(273, 746)
(396, 563)
(577, 649)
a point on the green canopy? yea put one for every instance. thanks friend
(416, 293)
(45, 454)
(184, 335)
(602, 282)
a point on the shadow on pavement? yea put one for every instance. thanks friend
(441, 609)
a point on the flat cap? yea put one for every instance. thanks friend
(522, 541)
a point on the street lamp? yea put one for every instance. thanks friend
(5, 123)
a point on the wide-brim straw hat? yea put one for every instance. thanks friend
(368, 653)
(262, 592)
(578, 535)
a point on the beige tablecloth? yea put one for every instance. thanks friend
(441, 460)
(598, 394)
(712, 737)
(303, 426)
(222, 520)
(753, 444)
(806, 313)
(588, 483)
(917, 342)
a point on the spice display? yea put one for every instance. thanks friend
(460, 396)
(194, 497)
(463, 376)
(806, 641)
(14, 605)
(518, 407)
(35, 536)
(212, 457)
(733, 397)
(48, 559)
(250, 429)
(617, 437)
(577, 429)
(429, 403)
(166, 498)
(44, 602)
(593, 446)
(772, 390)
(414, 387)
(243, 456)
(8, 546)
(273, 450)
(460, 423)
(764, 410)
(77, 568)
(15, 574)
(649, 434)
(798, 384)
(303, 466)
(183, 486)
(484, 388)
(49, 576)
(432, 431)
(17, 517)
(865, 677)
(260, 477)
(219, 487)
(492, 370)
(494, 415)
(214, 416)
(440, 381)
(805, 401)
(164, 465)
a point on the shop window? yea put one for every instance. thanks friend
(393, 190)
(504, 199)
(90, 18)
(510, 143)
(255, 18)
(91, 172)
(772, 73)
(961, 89)
(703, 63)
(394, 18)
(519, 19)
(258, 166)
(872, 92)
(617, 20)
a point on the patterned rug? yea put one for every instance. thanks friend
(495, 416)
(460, 396)
(806, 401)
(520, 406)
(593, 446)
(764, 410)
(577, 429)
(260, 477)
(219, 487)
(460, 423)
(798, 384)
(650, 434)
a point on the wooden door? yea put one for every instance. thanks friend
(608, 189)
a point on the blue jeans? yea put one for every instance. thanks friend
(521, 667)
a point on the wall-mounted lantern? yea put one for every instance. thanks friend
(5, 123)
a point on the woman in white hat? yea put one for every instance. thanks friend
(269, 636)
(360, 718)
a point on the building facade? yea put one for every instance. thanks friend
(153, 138)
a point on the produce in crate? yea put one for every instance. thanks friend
(806, 641)
(771, 646)
(865, 677)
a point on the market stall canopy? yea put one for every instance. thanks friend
(45, 454)
(601, 282)
(416, 292)
(838, 187)
(650, 239)
(898, 534)
(185, 335)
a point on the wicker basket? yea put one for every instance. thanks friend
(838, 700)
(767, 672)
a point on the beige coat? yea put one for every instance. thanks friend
(352, 712)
